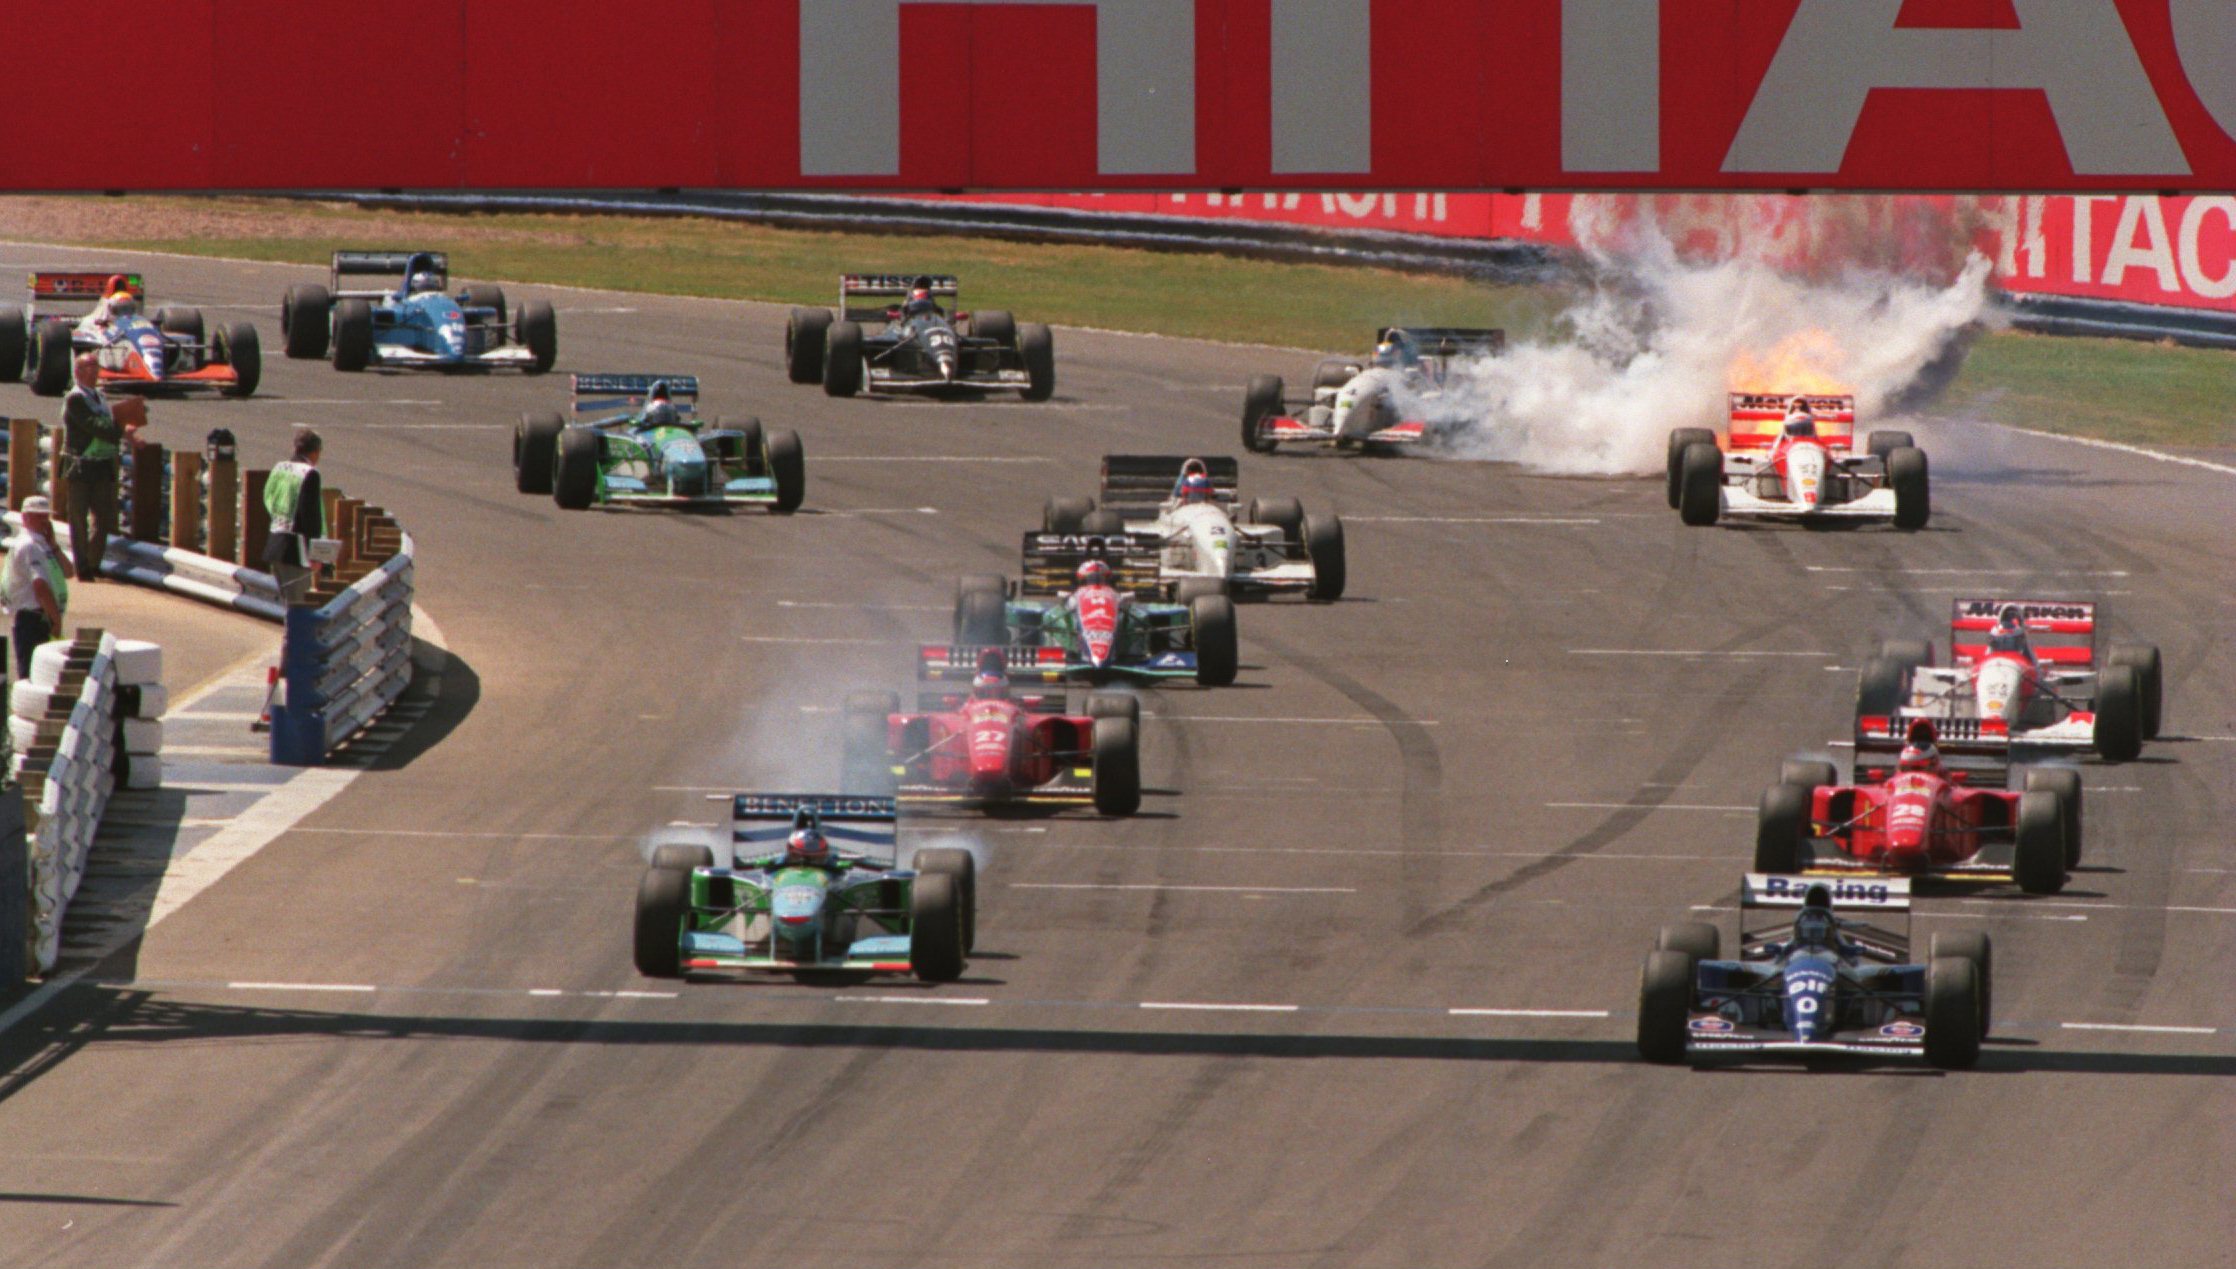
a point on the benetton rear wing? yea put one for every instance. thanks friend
(856, 824)
(598, 393)
(2061, 631)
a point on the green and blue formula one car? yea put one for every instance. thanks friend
(637, 440)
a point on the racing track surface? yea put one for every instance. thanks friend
(1480, 783)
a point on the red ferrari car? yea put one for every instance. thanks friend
(1922, 820)
(995, 748)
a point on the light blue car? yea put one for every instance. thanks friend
(417, 323)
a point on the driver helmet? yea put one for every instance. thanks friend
(423, 280)
(1918, 752)
(117, 282)
(2009, 620)
(1388, 354)
(1195, 487)
(808, 843)
(1814, 927)
(919, 301)
(990, 684)
(1800, 419)
(659, 412)
(1093, 573)
(121, 303)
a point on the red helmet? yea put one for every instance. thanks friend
(990, 685)
(117, 282)
(1093, 573)
(807, 842)
(1195, 487)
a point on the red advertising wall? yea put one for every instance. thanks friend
(1998, 95)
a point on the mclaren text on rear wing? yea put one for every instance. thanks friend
(2061, 631)
(1757, 417)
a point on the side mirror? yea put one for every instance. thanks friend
(1960, 777)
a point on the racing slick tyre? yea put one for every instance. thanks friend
(535, 450)
(682, 856)
(1881, 444)
(14, 343)
(1323, 545)
(804, 332)
(663, 898)
(1117, 765)
(842, 359)
(1808, 773)
(955, 862)
(1285, 514)
(186, 322)
(1335, 376)
(1906, 473)
(1910, 653)
(485, 296)
(1665, 1004)
(1696, 939)
(1036, 346)
(1700, 485)
(2144, 657)
(995, 324)
(1211, 617)
(1190, 589)
(353, 335)
(2119, 713)
(2038, 864)
(303, 321)
(538, 329)
(1260, 401)
(1782, 829)
(1680, 440)
(1103, 522)
(2065, 782)
(788, 466)
(1952, 1012)
(50, 367)
(1973, 946)
(1114, 705)
(574, 483)
(1064, 515)
(935, 927)
(240, 347)
(982, 620)
(1882, 688)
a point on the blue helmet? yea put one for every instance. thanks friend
(1195, 487)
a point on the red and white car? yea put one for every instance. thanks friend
(2023, 674)
(76, 311)
(1762, 470)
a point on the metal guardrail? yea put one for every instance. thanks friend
(344, 663)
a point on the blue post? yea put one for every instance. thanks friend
(299, 725)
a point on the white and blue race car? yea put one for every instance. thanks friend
(416, 323)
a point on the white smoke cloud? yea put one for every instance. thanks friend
(1660, 340)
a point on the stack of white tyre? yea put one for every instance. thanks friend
(141, 701)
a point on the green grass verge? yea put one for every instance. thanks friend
(2114, 389)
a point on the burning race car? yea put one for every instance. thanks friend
(810, 885)
(2005, 691)
(1791, 458)
(917, 346)
(75, 311)
(1355, 407)
(1923, 819)
(1078, 614)
(415, 323)
(1187, 507)
(1818, 983)
(994, 748)
(635, 440)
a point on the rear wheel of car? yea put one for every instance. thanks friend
(1114, 705)
(1808, 773)
(14, 343)
(1323, 545)
(1211, 618)
(842, 359)
(1781, 829)
(485, 296)
(50, 348)
(1261, 400)
(1973, 946)
(1952, 1012)
(2038, 861)
(1696, 939)
(1036, 347)
(574, 484)
(950, 861)
(353, 334)
(1906, 473)
(1102, 522)
(304, 315)
(2065, 782)
(241, 348)
(663, 899)
(2144, 657)
(1680, 440)
(935, 927)
(535, 450)
(1700, 485)
(1665, 1003)
(1064, 515)
(2119, 713)
(183, 322)
(788, 467)
(803, 344)
(1117, 765)
(1882, 688)
(995, 324)
(1285, 514)
(982, 620)
(1880, 444)
(539, 331)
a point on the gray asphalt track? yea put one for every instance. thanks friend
(1467, 787)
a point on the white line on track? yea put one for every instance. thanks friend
(910, 1000)
(1475, 519)
(2131, 1026)
(1527, 1013)
(253, 986)
(1096, 885)
(805, 639)
(1642, 806)
(1211, 1008)
(2118, 907)
(468, 834)
(1972, 572)
(820, 603)
(1683, 652)
(2137, 450)
(859, 512)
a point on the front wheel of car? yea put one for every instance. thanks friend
(2038, 861)
(1261, 400)
(842, 359)
(1781, 829)
(244, 352)
(788, 467)
(1906, 473)
(953, 861)
(1700, 485)
(1217, 656)
(663, 899)
(935, 927)
(535, 450)
(51, 352)
(1117, 766)
(575, 484)
(1323, 545)
(1952, 1013)
(2065, 782)
(304, 318)
(1680, 440)
(803, 344)
(1973, 946)
(353, 335)
(1036, 347)
(1665, 1003)
(2119, 713)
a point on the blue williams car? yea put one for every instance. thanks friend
(417, 323)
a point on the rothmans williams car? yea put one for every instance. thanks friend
(811, 885)
(1187, 506)
(1923, 819)
(994, 748)
(1815, 982)
(2025, 674)
(415, 323)
(902, 340)
(100, 312)
(1080, 612)
(635, 440)
(1777, 466)
(1364, 408)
